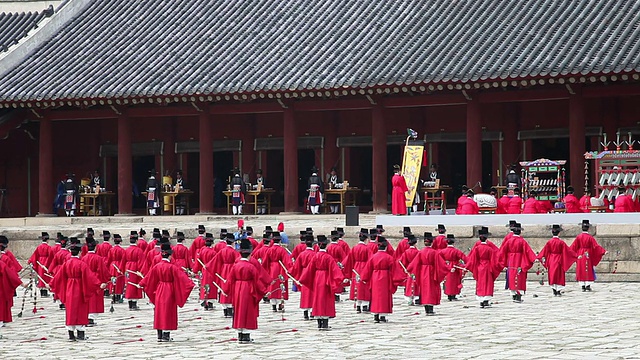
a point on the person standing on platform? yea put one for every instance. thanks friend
(516, 255)
(623, 202)
(571, 203)
(168, 288)
(462, 199)
(398, 194)
(455, 260)
(515, 203)
(181, 256)
(301, 263)
(181, 200)
(354, 266)
(485, 266)
(97, 186)
(585, 200)
(440, 241)
(513, 179)
(97, 266)
(153, 193)
(134, 261)
(41, 259)
(71, 195)
(238, 192)
(334, 183)
(589, 254)
(379, 273)
(316, 188)
(261, 185)
(411, 288)
(116, 265)
(557, 258)
(75, 285)
(429, 270)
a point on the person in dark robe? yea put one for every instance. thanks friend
(333, 181)
(153, 193)
(316, 189)
(261, 184)
(71, 195)
(181, 200)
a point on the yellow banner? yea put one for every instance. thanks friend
(411, 164)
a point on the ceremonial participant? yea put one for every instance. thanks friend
(589, 254)
(429, 269)
(89, 237)
(300, 248)
(71, 191)
(40, 260)
(333, 182)
(354, 266)
(485, 231)
(403, 245)
(283, 236)
(142, 243)
(379, 274)
(8, 257)
(58, 260)
(455, 260)
(245, 290)
(9, 282)
(338, 255)
(324, 278)
(341, 242)
(57, 246)
(515, 203)
(153, 251)
(102, 250)
(278, 262)
(222, 242)
(516, 255)
(531, 205)
(96, 264)
(557, 258)
(181, 257)
(513, 179)
(205, 254)
(302, 262)
(197, 243)
(373, 244)
(168, 288)
(134, 263)
(155, 238)
(75, 285)
(398, 197)
(585, 200)
(238, 192)
(254, 242)
(440, 241)
(411, 288)
(116, 265)
(503, 204)
(316, 188)
(462, 199)
(260, 253)
(153, 193)
(484, 265)
(469, 206)
(571, 203)
(181, 200)
(218, 269)
(260, 185)
(623, 202)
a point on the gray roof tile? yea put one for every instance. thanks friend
(15, 26)
(122, 48)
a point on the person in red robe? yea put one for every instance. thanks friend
(516, 255)
(76, 285)
(222, 243)
(116, 265)
(557, 258)
(302, 262)
(515, 203)
(485, 230)
(531, 205)
(218, 269)
(324, 278)
(40, 259)
(398, 198)
(469, 206)
(462, 199)
(275, 259)
(411, 288)
(103, 248)
(9, 282)
(8, 257)
(485, 266)
(354, 265)
(97, 265)
(585, 201)
(455, 260)
(204, 256)
(142, 243)
(429, 270)
(379, 274)
(503, 204)
(589, 254)
(336, 251)
(345, 246)
(373, 243)
(571, 202)
(181, 256)
(403, 245)
(623, 202)
(134, 263)
(168, 287)
(254, 242)
(89, 237)
(440, 241)
(198, 242)
(56, 264)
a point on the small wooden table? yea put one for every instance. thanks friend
(434, 195)
(172, 199)
(251, 198)
(90, 203)
(347, 196)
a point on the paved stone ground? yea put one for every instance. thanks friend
(602, 324)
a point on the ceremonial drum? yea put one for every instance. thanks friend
(485, 200)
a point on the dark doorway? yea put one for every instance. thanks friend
(487, 166)
(452, 167)
(360, 172)
(141, 167)
(306, 161)
(395, 153)
(223, 164)
(274, 176)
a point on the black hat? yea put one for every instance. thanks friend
(90, 231)
(428, 236)
(406, 229)
(74, 240)
(163, 240)
(133, 233)
(412, 238)
(518, 226)
(63, 241)
(303, 233)
(201, 228)
(309, 230)
(106, 233)
(556, 227)
(396, 167)
(269, 228)
(314, 169)
(470, 192)
(364, 231)
(230, 236)
(70, 174)
(74, 246)
(245, 246)
(308, 238)
(483, 231)
(44, 235)
(322, 239)
(334, 235)
(236, 171)
(4, 240)
(152, 171)
(373, 233)
(493, 190)
(450, 236)
(585, 223)
(259, 171)
(249, 230)
(441, 227)
(178, 172)
(570, 189)
(621, 189)
(165, 248)
(380, 228)
(382, 241)
(165, 233)
(142, 232)
(180, 235)
(117, 236)
(223, 231)
(276, 235)
(340, 231)
(208, 236)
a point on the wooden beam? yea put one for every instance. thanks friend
(611, 90)
(523, 95)
(328, 105)
(248, 108)
(82, 114)
(424, 100)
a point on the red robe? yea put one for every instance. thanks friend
(134, 261)
(515, 205)
(102, 249)
(11, 260)
(589, 255)
(116, 257)
(181, 256)
(516, 255)
(205, 254)
(302, 262)
(624, 204)
(220, 245)
(9, 282)
(99, 269)
(403, 245)
(488, 242)
(142, 244)
(150, 258)
(260, 254)
(398, 199)
(324, 278)
(439, 242)
(76, 285)
(461, 200)
(531, 206)
(197, 243)
(453, 280)
(503, 205)
(411, 288)
(245, 291)
(485, 266)
(151, 245)
(168, 287)
(571, 204)
(558, 258)
(344, 245)
(373, 246)
(357, 260)
(42, 254)
(336, 252)
(275, 254)
(545, 206)
(430, 270)
(221, 264)
(469, 207)
(58, 260)
(379, 274)
(585, 202)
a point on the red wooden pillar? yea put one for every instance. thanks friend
(206, 162)
(125, 176)
(576, 141)
(474, 143)
(331, 151)
(290, 162)
(379, 160)
(45, 168)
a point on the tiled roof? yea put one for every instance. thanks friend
(15, 26)
(124, 48)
